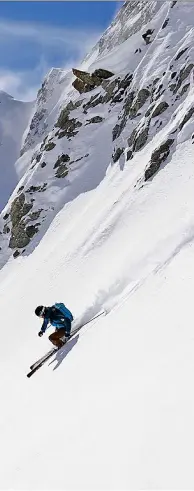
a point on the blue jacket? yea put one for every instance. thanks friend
(56, 318)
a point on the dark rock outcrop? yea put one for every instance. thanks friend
(85, 82)
(139, 101)
(62, 171)
(158, 156)
(49, 146)
(95, 119)
(147, 35)
(141, 139)
(64, 158)
(19, 208)
(186, 118)
(117, 154)
(20, 232)
(181, 53)
(160, 109)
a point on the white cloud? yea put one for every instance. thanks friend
(33, 49)
(16, 85)
(79, 40)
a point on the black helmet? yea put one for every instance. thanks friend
(39, 311)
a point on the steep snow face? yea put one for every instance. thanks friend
(116, 403)
(144, 106)
(44, 114)
(130, 19)
(57, 85)
(14, 116)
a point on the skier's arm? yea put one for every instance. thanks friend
(44, 325)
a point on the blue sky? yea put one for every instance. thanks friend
(36, 36)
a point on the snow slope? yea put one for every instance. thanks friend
(14, 116)
(113, 409)
(117, 403)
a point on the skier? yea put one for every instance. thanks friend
(58, 316)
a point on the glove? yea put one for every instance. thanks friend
(40, 334)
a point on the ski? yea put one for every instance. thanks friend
(38, 364)
(42, 358)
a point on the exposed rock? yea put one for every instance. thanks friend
(71, 106)
(129, 155)
(85, 77)
(21, 235)
(38, 157)
(6, 216)
(147, 35)
(95, 119)
(128, 103)
(184, 73)
(173, 4)
(160, 109)
(80, 158)
(131, 138)
(186, 118)
(141, 139)
(181, 53)
(6, 229)
(20, 189)
(43, 143)
(63, 118)
(43, 164)
(165, 23)
(16, 254)
(38, 116)
(184, 89)
(115, 132)
(94, 101)
(85, 82)
(173, 75)
(80, 86)
(49, 146)
(62, 171)
(117, 154)
(158, 156)
(34, 215)
(43, 188)
(118, 97)
(118, 128)
(31, 230)
(61, 160)
(140, 100)
(19, 238)
(19, 209)
(172, 87)
(150, 109)
(126, 81)
(33, 189)
(67, 125)
(110, 88)
(156, 80)
(68, 135)
(102, 73)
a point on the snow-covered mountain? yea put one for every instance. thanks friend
(126, 93)
(102, 217)
(14, 117)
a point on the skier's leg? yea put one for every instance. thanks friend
(67, 326)
(55, 338)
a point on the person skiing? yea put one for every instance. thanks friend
(58, 316)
